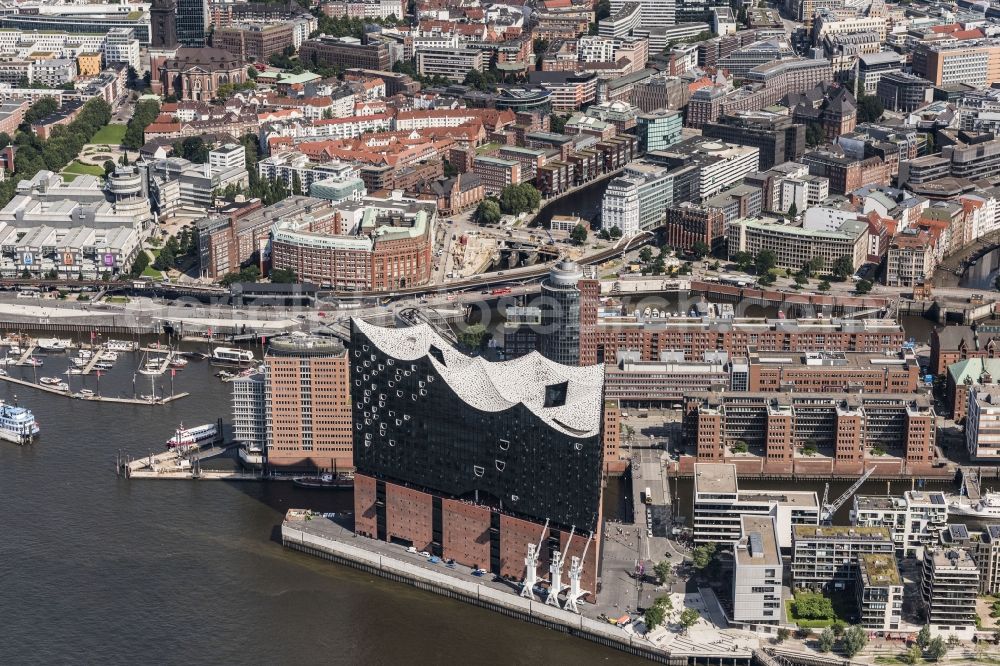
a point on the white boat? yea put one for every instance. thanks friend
(101, 365)
(79, 362)
(85, 354)
(3, 373)
(187, 436)
(121, 345)
(986, 507)
(17, 424)
(8, 360)
(232, 356)
(178, 362)
(54, 344)
(51, 381)
(37, 362)
(109, 356)
(74, 371)
(15, 350)
(62, 386)
(86, 393)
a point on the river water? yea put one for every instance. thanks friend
(97, 569)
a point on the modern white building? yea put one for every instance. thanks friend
(229, 156)
(249, 412)
(288, 164)
(804, 191)
(982, 424)
(879, 592)
(620, 206)
(949, 584)
(915, 520)
(654, 13)
(757, 569)
(719, 505)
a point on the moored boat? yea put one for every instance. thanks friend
(196, 435)
(232, 356)
(986, 507)
(326, 481)
(51, 381)
(17, 424)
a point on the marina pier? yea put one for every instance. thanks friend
(95, 398)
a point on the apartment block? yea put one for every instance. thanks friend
(949, 584)
(757, 572)
(828, 557)
(915, 520)
(719, 506)
(497, 173)
(982, 425)
(878, 589)
(452, 64)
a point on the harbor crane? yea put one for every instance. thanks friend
(531, 565)
(575, 572)
(827, 508)
(555, 574)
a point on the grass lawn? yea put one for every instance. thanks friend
(117, 299)
(79, 168)
(109, 134)
(149, 271)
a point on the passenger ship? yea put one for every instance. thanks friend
(232, 356)
(17, 424)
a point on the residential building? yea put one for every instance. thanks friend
(440, 453)
(982, 425)
(719, 507)
(915, 520)
(828, 557)
(949, 585)
(757, 572)
(911, 258)
(987, 555)
(294, 168)
(962, 377)
(308, 404)
(878, 589)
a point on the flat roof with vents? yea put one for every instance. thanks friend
(759, 545)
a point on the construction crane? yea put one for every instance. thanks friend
(829, 508)
(531, 565)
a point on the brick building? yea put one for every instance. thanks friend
(345, 52)
(689, 223)
(254, 41)
(308, 405)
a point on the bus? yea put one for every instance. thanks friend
(649, 496)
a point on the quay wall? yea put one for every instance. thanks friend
(483, 596)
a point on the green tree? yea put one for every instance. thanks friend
(252, 73)
(645, 255)
(702, 555)
(784, 633)
(517, 199)
(44, 107)
(870, 109)
(109, 168)
(815, 135)
(296, 184)
(744, 260)
(579, 234)
(936, 649)
(662, 571)
(701, 249)
(487, 212)
(557, 123)
(924, 636)
(688, 618)
(913, 655)
(813, 606)
(145, 113)
(863, 286)
(283, 276)
(842, 268)
(824, 286)
(615, 232)
(765, 261)
(793, 210)
(654, 616)
(140, 263)
(473, 337)
(826, 640)
(165, 260)
(854, 641)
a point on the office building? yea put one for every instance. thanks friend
(463, 458)
(742, 60)
(911, 258)
(827, 558)
(719, 506)
(757, 573)
(560, 310)
(982, 425)
(777, 428)
(951, 344)
(658, 130)
(371, 245)
(308, 404)
(666, 382)
(689, 223)
(655, 14)
(250, 413)
(776, 137)
(718, 165)
(832, 371)
(496, 173)
(915, 520)
(878, 589)
(962, 377)
(975, 62)
(872, 66)
(192, 22)
(621, 22)
(345, 52)
(82, 19)
(452, 64)
(254, 41)
(899, 91)
(949, 585)
(794, 245)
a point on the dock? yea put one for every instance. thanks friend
(182, 463)
(95, 398)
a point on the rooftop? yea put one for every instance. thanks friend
(878, 570)
(715, 478)
(841, 533)
(759, 545)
